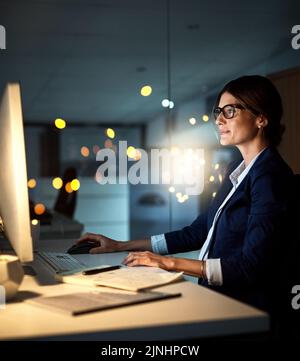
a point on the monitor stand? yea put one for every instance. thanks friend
(11, 275)
(29, 270)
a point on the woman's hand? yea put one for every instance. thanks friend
(190, 267)
(102, 244)
(149, 259)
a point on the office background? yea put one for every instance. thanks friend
(86, 61)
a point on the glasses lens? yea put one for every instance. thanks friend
(217, 112)
(229, 111)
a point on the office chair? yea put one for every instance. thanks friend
(289, 324)
(295, 256)
(296, 245)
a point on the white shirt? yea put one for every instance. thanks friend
(213, 265)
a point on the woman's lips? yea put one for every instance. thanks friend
(222, 132)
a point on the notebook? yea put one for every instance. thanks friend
(126, 278)
(84, 302)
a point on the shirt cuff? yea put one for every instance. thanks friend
(159, 244)
(214, 272)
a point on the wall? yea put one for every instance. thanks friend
(288, 84)
(101, 208)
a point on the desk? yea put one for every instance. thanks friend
(200, 312)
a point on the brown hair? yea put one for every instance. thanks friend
(258, 94)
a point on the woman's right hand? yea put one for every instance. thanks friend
(102, 244)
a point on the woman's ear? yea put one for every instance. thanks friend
(261, 121)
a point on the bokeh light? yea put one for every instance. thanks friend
(39, 209)
(110, 133)
(60, 123)
(31, 183)
(57, 183)
(96, 149)
(131, 152)
(75, 185)
(85, 152)
(146, 90)
(108, 143)
(68, 188)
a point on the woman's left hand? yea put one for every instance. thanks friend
(148, 259)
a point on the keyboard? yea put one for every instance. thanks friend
(60, 262)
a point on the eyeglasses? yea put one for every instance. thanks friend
(229, 110)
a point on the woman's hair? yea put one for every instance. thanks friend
(259, 95)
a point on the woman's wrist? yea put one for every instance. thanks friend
(190, 267)
(203, 270)
(122, 246)
(171, 263)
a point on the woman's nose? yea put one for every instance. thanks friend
(220, 120)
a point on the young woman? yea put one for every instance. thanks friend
(240, 237)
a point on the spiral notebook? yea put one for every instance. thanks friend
(84, 302)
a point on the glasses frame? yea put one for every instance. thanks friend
(221, 110)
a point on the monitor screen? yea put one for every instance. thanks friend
(14, 205)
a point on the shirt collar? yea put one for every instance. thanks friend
(241, 171)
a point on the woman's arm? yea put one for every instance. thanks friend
(106, 245)
(136, 245)
(188, 239)
(190, 267)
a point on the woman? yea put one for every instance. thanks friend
(239, 235)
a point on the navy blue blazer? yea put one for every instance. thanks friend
(249, 234)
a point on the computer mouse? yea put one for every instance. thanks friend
(82, 248)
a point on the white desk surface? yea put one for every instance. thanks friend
(199, 312)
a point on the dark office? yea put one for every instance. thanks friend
(150, 174)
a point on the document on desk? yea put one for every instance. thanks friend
(85, 302)
(126, 278)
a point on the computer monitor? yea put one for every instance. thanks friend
(14, 204)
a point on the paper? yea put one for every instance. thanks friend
(126, 278)
(136, 278)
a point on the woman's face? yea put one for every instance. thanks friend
(239, 130)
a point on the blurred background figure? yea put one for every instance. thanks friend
(66, 201)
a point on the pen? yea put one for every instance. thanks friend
(99, 270)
